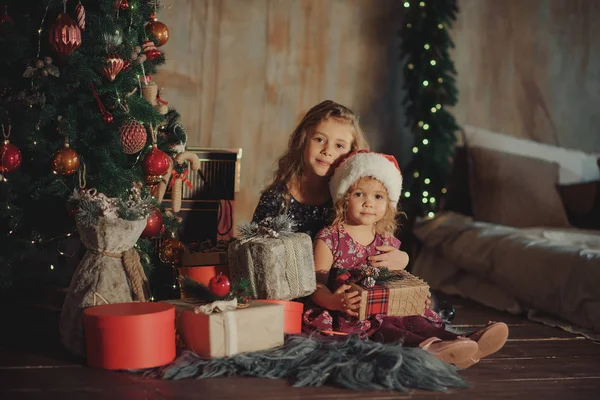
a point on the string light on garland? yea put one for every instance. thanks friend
(429, 85)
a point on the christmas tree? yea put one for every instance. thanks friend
(79, 112)
(430, 90)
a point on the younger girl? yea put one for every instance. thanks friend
(366, 188)
(300, 187)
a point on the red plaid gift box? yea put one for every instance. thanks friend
(404, 297)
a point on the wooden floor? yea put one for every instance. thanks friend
(537, 362)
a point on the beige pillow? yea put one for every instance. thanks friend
(514, 190)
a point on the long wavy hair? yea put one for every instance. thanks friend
(290, 166)
(387, 225)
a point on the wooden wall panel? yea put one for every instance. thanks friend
(243, 72)
(530, 68)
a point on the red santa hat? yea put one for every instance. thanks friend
(364, 163)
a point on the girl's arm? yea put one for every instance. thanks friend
(340, 300)
(391, 256)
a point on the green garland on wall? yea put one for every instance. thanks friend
(430, 86)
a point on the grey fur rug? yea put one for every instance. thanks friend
(308, 361)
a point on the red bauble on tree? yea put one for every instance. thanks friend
(154, 224)
(10, 157)
(150, 50)
(112, 66)
(5, 18)
(133, 136)
(122, 5)
(156, 164)
(219, 285)
(65, 36)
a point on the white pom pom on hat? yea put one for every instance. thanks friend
(364, 163)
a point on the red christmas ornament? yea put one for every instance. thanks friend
(5, 17)
(156, 164)
(158, 30)
(65, 161)
(106, 115)
(154, 224)
(219, 285)
(80, 16)
(65, 35)
(150, 50)
(133, 136)
(10, 157)
(122, 5)
(114, 64)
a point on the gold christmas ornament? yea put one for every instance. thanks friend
(65, 161)
(170, 251)
(158, 30)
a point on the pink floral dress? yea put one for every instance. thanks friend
(349, 254)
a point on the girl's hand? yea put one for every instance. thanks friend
(390, 257)
(347, 302)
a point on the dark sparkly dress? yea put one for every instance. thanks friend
(309, 219)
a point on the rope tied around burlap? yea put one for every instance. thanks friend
(134, 271)
(292, 255)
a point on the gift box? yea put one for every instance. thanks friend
(258, 326)
(194, 259)
(399, 298)
(278, 268)
(133, 335)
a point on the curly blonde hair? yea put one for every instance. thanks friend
(290, 166)
(387, 225)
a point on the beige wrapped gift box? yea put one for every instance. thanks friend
(398, 298)
(259, 326)
(278, 268)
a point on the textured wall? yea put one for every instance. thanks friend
(530, 68)
(243, 72)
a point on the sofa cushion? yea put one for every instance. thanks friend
(514, 190)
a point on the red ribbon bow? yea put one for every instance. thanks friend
(182, 176)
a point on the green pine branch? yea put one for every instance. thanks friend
(33, 201)
(430, 86)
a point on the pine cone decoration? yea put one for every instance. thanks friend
(133, 136)
(368, 282)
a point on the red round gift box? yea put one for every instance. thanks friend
(130, 335)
